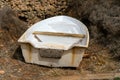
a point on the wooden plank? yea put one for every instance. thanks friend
(59, 34)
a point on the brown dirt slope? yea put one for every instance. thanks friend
(102, 18)
(11, 29)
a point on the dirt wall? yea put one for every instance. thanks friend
(102, 17)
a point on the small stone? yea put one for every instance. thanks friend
(2, 71)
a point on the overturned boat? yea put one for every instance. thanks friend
(58, 41)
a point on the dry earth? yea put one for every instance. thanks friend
(102, 18)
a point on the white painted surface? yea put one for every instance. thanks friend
(62, 24)
(71, 56)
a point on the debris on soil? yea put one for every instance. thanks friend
(102, 17)
(34, 11)
(15, 69)
(103, 21)
(11, 28)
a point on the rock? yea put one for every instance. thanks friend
(2, 72)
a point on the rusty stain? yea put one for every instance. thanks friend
(73, 55)
(29, 52)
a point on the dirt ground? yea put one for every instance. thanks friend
(102, 19)
(98, 62)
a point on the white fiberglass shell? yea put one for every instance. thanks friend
(57, 24)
